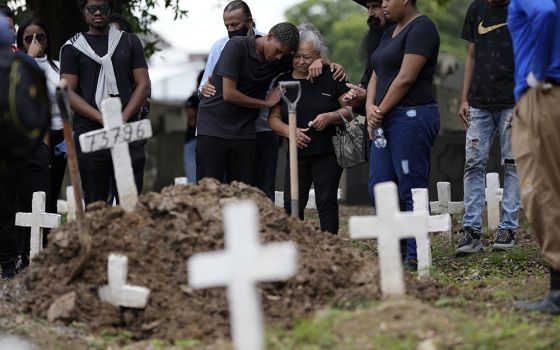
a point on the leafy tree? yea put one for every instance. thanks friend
(343, 25)
(64, 19)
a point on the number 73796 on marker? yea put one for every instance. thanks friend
(108, 137)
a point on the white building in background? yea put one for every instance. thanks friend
(173, 73)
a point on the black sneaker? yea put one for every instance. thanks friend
(469, 242)
(549, 305)
(505, 240)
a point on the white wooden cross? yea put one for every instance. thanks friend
(444, 204)
(68, 206)
(494, 196)
(62, 207)
(389, 226)
(436, 223)
(181, 181)
(37, 220)
(116, 136)
(240, 266)
(311, 203)
(117, 292)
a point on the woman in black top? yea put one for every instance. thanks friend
(319, 108)
(400, 99)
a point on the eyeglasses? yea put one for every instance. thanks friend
(104, 9)
(41, 37)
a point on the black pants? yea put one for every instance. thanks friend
(58, 168)
(324, 172)
(97, 172)
(266, 160)
(224, 159)
(16, 193)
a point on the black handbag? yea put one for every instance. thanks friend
(348, 142)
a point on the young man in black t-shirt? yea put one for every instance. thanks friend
(83, 75)
(226, 136)
(486, 109)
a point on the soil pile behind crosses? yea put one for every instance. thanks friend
(159, 237)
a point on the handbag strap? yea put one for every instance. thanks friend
(350, 111)
(346, 123)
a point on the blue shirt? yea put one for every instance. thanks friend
(535, 30)
(213, 56)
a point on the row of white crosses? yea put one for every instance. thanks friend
(114, 135)
(493, 195)
(245, 262)
(390, 225)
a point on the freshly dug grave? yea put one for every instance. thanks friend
(160, 236)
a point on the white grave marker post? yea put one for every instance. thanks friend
(117, 292)
(436, 223)
(389, 226)
(71, 204)
(68, 206)
(37, 220)
(494, 196)
(181, 181)
(240, 266)
(444, 204)
(116, 136)
(61, 206)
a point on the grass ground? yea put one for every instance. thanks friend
(480, 315)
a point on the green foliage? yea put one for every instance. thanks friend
(140, 13)
(313, 334)
(186, 343)
(449, 15)
(343, 25)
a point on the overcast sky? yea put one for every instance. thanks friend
(204, 24)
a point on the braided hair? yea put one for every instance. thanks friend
(287, 34)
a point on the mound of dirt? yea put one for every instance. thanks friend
(159, 236)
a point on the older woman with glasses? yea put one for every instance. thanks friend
(320, 107)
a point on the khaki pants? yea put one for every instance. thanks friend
(536, 146)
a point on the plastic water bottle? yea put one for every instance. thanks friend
(379, 139)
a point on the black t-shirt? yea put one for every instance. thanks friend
(319, 96)
(128, 55)
(493, 78)
(239, 62)
(419, 37)
(374, 37)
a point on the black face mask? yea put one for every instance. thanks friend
(374, 23)
(240, 32)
